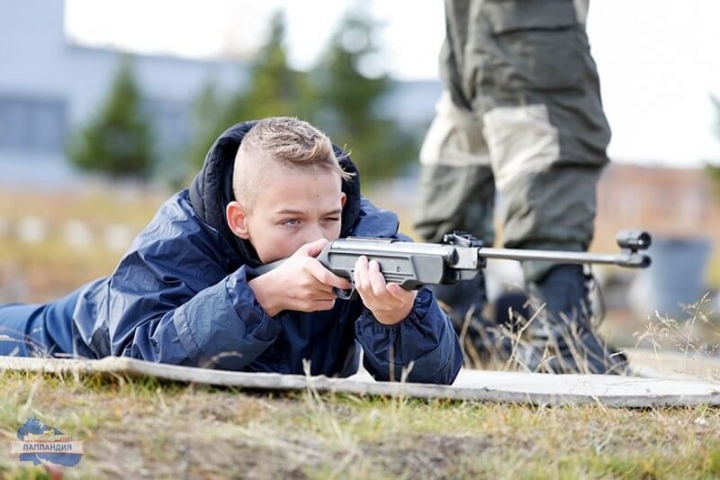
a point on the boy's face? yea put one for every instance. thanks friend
(293, 209)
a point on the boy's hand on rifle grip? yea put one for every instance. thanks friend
(389, 302)
(300, 283)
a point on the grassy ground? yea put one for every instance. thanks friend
(35, 272)
(142, 428)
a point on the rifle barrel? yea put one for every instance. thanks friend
(629, 259)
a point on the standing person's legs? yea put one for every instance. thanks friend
(457, 193)
(457, 189)
(539, 97)
(43, 330)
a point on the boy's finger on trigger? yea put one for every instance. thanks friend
(341, 282)
(324, 296)
(326, 277)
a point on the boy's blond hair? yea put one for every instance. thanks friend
(284, 141)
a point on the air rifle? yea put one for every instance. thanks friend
(460, 256)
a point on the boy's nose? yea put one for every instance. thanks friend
(313, 232)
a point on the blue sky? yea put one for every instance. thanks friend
(658, 59)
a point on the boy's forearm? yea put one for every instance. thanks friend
(225, 334)
(220, 325)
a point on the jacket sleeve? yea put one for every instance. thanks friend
(220, 326)
(423, 348)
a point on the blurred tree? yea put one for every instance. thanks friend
(344, 95)
(208, 121)
(118, 142)
(273, 89)
(353, 91)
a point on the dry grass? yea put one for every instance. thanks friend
(141, 428)
(36, 272)
(687, 346)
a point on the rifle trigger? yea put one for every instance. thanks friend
(345, 293)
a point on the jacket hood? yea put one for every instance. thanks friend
(211, 190)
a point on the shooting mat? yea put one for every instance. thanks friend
(659, 382)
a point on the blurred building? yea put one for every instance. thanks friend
(669, 202)
(680, 208)
(49, 86)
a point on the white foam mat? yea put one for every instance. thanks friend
(480, 385)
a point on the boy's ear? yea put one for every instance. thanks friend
(237, 219)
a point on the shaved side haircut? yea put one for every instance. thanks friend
(280, 141)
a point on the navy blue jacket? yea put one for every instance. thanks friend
(180, 295)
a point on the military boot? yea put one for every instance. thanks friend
(560, 336)
(464, 302)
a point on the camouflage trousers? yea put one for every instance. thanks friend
(520, 129)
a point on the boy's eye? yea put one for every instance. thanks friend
(291, 222)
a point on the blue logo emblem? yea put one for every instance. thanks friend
(39, 443)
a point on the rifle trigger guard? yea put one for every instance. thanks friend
(345, 294)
